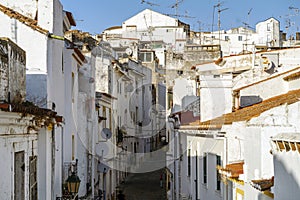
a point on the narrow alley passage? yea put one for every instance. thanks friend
(144, 186)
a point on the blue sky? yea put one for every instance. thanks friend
(94, 16)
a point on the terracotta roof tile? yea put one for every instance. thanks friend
(263, 184)
(233, 170)
(246, 113)
(23, 19)
(70, 18)
(292, 76)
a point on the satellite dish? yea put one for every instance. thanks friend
(106, 133)
(102, 167)
(128, 51)
(101, 149)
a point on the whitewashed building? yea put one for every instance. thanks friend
(48, 82)
(244, 39)
(26, 132)
(127, 85)
(161, 31)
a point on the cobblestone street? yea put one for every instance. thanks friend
(144, 186)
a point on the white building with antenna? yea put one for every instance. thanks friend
(152, 26)
(243, 39)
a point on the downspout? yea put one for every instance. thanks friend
(179, 166)
(226, 161)
(196, 180)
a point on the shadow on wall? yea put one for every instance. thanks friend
(250, 100)
(286, 185)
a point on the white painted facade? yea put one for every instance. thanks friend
(50, 83)
(150, 26)
(215, 95)
(238, 40)
(17, 137)
(182, 88)
(247, 141)
(192, 161)
(286, 182)
(129, 85)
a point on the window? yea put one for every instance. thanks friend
(226, 37)
(104, 115)
(204, 168)
(170, 98)
(119, 87)
(33, 177)
(119, 121)
(240, 38)
(218, 163)
(73, 82)
(146, 57)
(19, 175)
(109, 115)
(189, 162)
(268, 26)
(179, 72)
(62, 62)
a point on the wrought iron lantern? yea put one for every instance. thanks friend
(73, 183)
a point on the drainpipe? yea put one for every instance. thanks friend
(226, 161)
(179, 166)
(196, 180)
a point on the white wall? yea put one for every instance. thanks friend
(14, 137)
(152, 19)
(215, 95)
(35, 57)
(203, 146)
(183, 87)
(287, 177)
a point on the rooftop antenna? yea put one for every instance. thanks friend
(219, 17)
(176, 5)
(199, 24)
(287, 17)
(149, 3)
(247, 26)
(150, 30)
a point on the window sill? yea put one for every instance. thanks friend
(218, 192)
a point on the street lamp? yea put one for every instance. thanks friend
(73, 183)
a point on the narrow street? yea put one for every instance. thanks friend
(144, 186)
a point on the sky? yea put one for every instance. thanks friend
(94, 16)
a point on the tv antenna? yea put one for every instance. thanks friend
(200, 29)
(149, 3)
(183, 16)
(293, 11)
(176, 5)
(247, 26)
(219, 18)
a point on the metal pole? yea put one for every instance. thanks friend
(196, 181)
